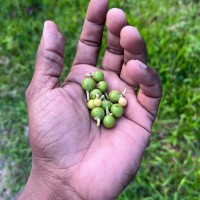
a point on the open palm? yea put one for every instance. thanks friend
(94, 162)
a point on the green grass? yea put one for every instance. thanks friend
(170, 168)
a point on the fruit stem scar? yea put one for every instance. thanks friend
(88, 95)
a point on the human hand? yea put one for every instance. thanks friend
(72, 157)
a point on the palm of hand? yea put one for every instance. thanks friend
(96, 162)
(70, 140)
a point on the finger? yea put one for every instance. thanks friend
(150, 92)
(114, 54)
(133, 44)
(91, 36)
(49, 60)
(134, 49)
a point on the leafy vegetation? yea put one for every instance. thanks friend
(170, 168)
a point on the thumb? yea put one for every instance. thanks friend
(49, 60)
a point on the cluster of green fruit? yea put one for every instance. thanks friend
(103, 106)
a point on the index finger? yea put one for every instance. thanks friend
(91, 35)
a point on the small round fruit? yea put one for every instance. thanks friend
(114, 96)
(109, 121)
(117, 110)
(97, 102)
(98, 76)
(106, 103)
(103, 86)
(97, 113)
(88, 84)
(122, 101)
(94, 93)
(90, 104)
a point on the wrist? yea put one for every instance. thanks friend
(46, 186)
(35, 190)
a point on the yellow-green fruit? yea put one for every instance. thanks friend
(90, 104)
(122, 101)
(97, 102)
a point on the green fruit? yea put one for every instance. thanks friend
(98, 76)
(106, 103)
(114, 96)
(90, 104)
(98, 114)
(93, 93)
(109, 121)
(117, 110)
(88, 84)
(103, 86)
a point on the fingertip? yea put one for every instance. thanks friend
(52, 38)
(50, 24)
(131, 39)
(116, 20)
(138, 71)
(135, 71)
(50, 28)
(97, 11)
(133, 44)
(131, 68)
(136, 63)
(130, 30)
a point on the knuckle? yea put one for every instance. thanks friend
(53, 56)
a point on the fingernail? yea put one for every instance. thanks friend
(143, 66)
(48, 24)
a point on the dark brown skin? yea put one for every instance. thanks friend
(72, 157)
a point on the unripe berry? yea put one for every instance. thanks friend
(97, 102)
(88, 84)
(122, 101)
(106, 103)
(103, 86)
(90, 104)
(98, 76)
(98, 114)
(114, 96)
(117, 110)
(109, 121)
(94, 93)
